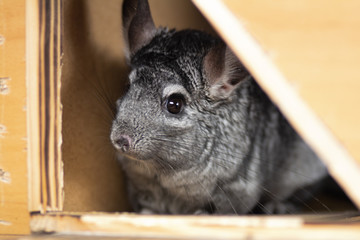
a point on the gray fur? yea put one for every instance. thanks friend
(229, 151)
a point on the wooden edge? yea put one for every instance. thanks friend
(59, 163)
(44, 53)
(197, 227)
(339, 162)
(33, 127)
(51, 52)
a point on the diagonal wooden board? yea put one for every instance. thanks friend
(306, 55)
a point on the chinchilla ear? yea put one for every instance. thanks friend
(223, 71)
(138, 25)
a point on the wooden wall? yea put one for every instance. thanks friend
(14, 216)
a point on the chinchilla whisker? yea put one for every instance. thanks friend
(303, 202)
(229, 200)
(164, 164)
(259, 204)
(274, 197)
(109, 106)
(100, 93)
(209, 196)
(168, 140)
(105, 101)
(170, 143)
(241, 201)
(175, 132)
(263, 208)
(322, 204)
(267, 192)
(325, 207)
(104, 89)
(307, 206)
(114, 154)
(147, 167)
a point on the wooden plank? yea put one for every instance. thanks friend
(44, 54)
(32, 16)
(197, 227)
(305, 55)
(14, 216)
(10, 237)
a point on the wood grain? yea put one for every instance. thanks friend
(14, 216)
(44, 54)
(198, 227)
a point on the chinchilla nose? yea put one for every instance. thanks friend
(122, 143)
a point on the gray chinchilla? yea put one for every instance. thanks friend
(195, 134)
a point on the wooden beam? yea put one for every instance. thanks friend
(44, 52)
(200, 227)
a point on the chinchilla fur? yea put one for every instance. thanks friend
(195, 134)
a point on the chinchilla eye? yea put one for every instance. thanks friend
(175, 103)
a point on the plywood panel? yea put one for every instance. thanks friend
(306, 56)
(14, 216)
(43, 39)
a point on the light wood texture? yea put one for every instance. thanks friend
(306, 56)
(10, 237)
(14, 216)
(200, 227)
(33, 117)
(44, 119)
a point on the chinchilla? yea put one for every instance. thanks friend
(195, 134)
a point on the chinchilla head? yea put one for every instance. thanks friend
(178, 82)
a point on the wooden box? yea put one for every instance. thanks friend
(62, 62)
